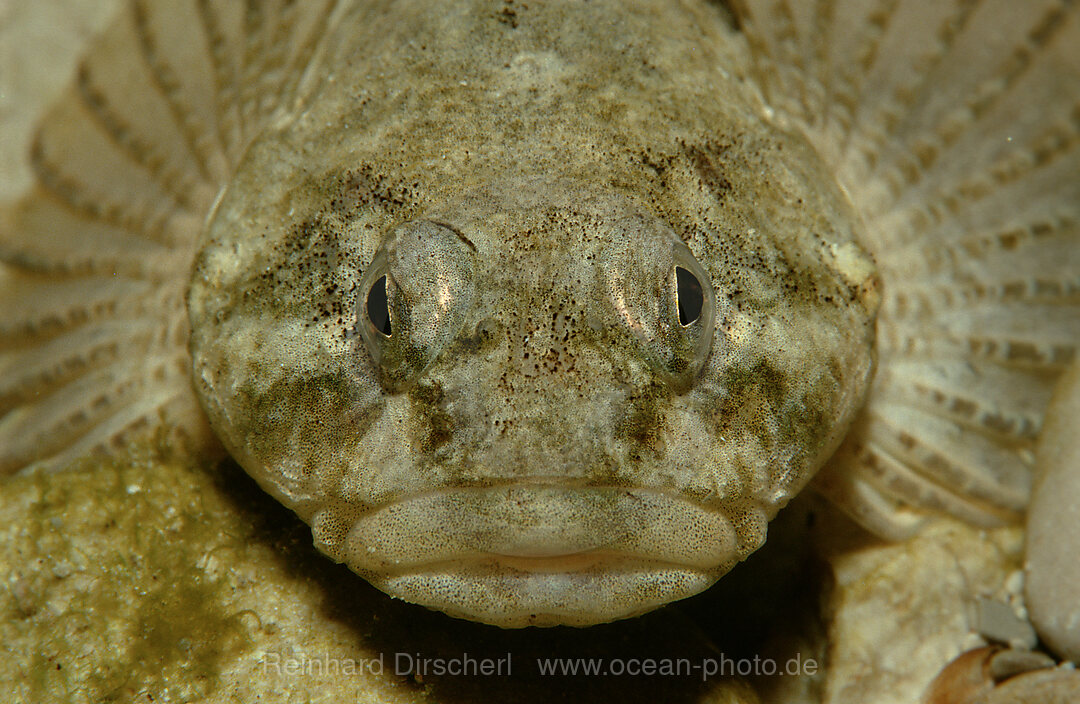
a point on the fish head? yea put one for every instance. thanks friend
(529, 387)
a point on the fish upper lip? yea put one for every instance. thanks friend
(539, 526)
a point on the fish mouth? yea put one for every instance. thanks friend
(539, 555)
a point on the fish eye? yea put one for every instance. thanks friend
(665, 299)
(378, 307)
(415, 294)
(689, 296)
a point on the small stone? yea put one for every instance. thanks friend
(1012, 662)
(963, 680)
(998, 622)
(62, 569)
(1053, 539)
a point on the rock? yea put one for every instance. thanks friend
(899, 613)
(1053, 539)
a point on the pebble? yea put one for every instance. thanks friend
(998, 622)
(1053, 528)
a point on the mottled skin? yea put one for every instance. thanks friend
(539, 440)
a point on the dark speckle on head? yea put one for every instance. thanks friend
(429, 404)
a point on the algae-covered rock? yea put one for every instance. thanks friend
(154, 581)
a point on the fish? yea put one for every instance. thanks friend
(538, 314)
